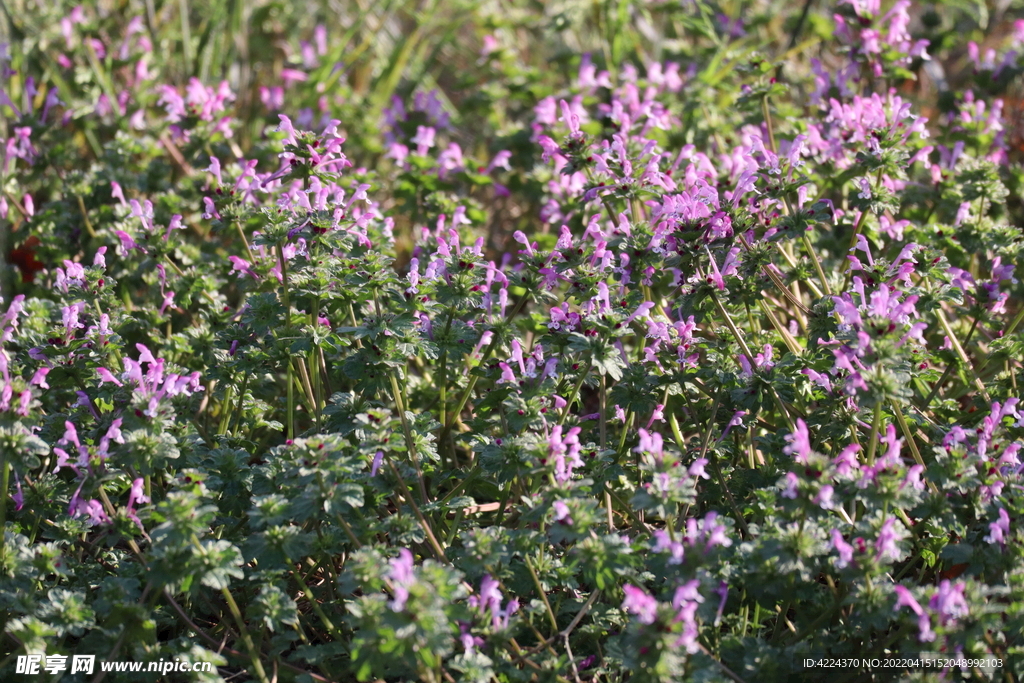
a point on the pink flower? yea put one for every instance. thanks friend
(520, 237)
(565, 451)
(640, 604)
(136, 496)
(790, 486)
(949, 602)
(844, 549)
(113, 434)
(39, 378)
(824, 497)
(663, 543)
(697, 471)
(507, 376)
(107, 376)
(799, 443)
(561, 512)
(241, 265)
(378, 458)
(400, 573)
(886, 544)
(905, 599)
(999, 530)
(570, 119)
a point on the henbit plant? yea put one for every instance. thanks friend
(705, 368)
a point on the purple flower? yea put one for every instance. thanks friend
(95, 511)
(401, 575)
(92, 508)
(113, 434)
(999, 530)
(914, 480)
(799, 443)
(657, 416)
(723, 594)
(846, 462)
(570, 119)
(886, 545)
(39, 378)
(686, 602)
(714, 532)
(520, 237)
(550, 148)
(468, 640)
(663, 542)
(378, 458)
(687, 593)
(844, 549)
(19, 496)
(790, 484)
(561, 512)
(127, 243)
(949, 602)
(424, 139)
(735, 421)
(489, 602)
(106, 376)
(892, 453)
(135, 497)
(696, 470)
(640, 604)
(650, 442)
(824, 497)
(565, 451)
(819, 378)
(905, 599)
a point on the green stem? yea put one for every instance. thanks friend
(5, 482)
(623, 434)
(962, 354)
(286, 297)
(602, 409)
(241, 233)
(241, 404)
(473, 378)
(331, 628)
(409, 443)
(543, 595)
(506, 494)
(454, 528)
(443, 383)
(434, 545)
(876, 424)
(186, 36)
(779, 624)
(225, 410)
(905, 428)
(314, 366)
(817, 263)
(240, 622)
(766, 112)
(1016, 321)
(290, 417)
(250, 647)
(750, 357)
(575, 394)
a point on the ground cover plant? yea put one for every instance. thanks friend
(487, 341)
